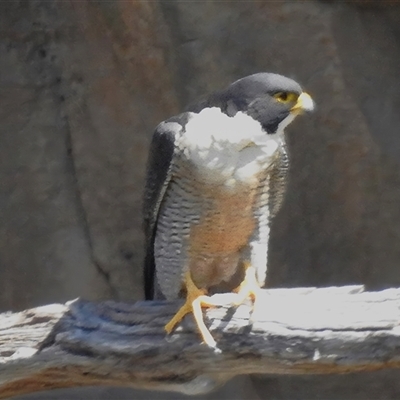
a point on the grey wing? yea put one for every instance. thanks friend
(157, 179)
(278, 180)
(271, 199)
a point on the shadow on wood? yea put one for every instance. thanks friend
(304, 330)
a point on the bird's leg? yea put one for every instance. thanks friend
(249, 287)
(195, 299)
(192, 293)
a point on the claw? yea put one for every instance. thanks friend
(195, 299)
(249, 287)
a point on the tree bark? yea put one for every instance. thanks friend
(290, 331)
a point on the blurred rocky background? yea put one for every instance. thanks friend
(84, 83)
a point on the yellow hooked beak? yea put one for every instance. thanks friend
(303, 103)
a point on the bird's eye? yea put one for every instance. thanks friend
(286, 97)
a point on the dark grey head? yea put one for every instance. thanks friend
(271, 99)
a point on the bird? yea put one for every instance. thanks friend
(216, 178)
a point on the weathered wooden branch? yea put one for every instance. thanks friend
(307, 330)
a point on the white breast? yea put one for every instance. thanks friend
(227, 149)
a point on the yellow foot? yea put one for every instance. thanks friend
(195, 300)
(249, 287)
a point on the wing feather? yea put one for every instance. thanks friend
(278, 180)
(159, 166)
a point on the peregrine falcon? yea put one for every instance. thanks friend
(215, 180)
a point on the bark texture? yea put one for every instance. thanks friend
(84, 83)
(342, 330)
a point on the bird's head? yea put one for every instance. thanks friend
(271, 99)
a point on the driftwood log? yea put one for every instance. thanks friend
(305, 330)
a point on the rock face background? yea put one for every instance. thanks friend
(84, 83)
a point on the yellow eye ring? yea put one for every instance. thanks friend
(286, 97)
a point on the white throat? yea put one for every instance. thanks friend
(228, 149)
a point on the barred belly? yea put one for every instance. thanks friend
(204, 227)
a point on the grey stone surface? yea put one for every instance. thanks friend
(45, 253)
(238, 389)
(82, 86)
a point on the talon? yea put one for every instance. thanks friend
(249, 287)
(195, 300)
